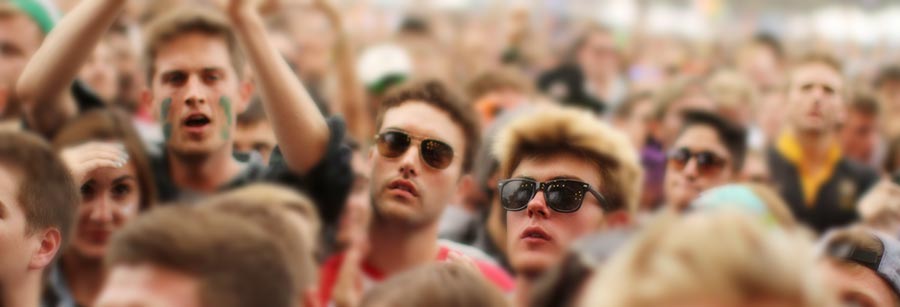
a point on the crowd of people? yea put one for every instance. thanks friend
(304, 153)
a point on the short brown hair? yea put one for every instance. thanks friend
(266, 205)
(436, 94)
(497, 79)
(435, 284)
(47, 192)
(863, 102)
(551, 129)
(187, 19)
(112, 125)
(236, 262)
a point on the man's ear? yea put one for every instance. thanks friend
(47, 244)
(310, 297)
(247, 88)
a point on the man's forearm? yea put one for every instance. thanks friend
(45, 81)
(300, 128)
(351, 99)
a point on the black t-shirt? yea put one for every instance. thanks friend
(327, 184)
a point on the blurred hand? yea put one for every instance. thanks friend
(348, 290)
(463, 261)
(85, 158)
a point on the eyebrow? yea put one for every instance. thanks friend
(123, 178)
(560, 177)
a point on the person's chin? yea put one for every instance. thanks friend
(532, 262)
(90, 251)
(390, 209)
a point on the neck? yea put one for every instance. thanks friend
(84, 277)
(205, 173)
(25, 292)
(814, 144)
(522, 296)
(397, 248)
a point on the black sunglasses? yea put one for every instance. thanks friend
(435, 153)
(561, 195)
(708, 163)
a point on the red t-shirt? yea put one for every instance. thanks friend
(372, 276)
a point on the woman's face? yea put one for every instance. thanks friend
(109, 198)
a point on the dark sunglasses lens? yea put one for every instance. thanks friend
(515, 194)
(392, 144)
(565, 195)
(437, 154)
(708, 163)
(679, 158)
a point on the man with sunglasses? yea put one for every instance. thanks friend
(426, 141)
(568, 175)
(708, 152)
(819, 183)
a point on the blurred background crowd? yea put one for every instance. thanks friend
(326, 152)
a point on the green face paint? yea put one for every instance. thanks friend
(164, 116)
(225, 103)
(167, 131)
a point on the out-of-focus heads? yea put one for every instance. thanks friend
(721, 258)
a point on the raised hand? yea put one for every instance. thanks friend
(85, 158)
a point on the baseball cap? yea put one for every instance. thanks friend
(887, 266)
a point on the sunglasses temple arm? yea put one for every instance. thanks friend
(603, 202)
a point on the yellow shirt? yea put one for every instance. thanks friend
(810, 180)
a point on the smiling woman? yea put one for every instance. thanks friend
(107, 159)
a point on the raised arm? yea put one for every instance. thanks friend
(300, 128)
(351, 99)
(44, 84)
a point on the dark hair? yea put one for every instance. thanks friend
(887, 74)
(253, 115)
(436, 94)
(236, 262)
(890, 165)
(112, 125)
(863, 103)
(771, 42)
(47, 192)
(734, 137)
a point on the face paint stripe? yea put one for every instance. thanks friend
(164, 117)
(225, 103)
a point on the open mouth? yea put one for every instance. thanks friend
(198, 120)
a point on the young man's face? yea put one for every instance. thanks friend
(597, 56)
(814, 98)
(258, 137)
(406, 189)
(20, 38)
(857, 285)
(15, 243)
(859, 135)
(538, 236)
(149, 285)
(683, 183)
(197, 93)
